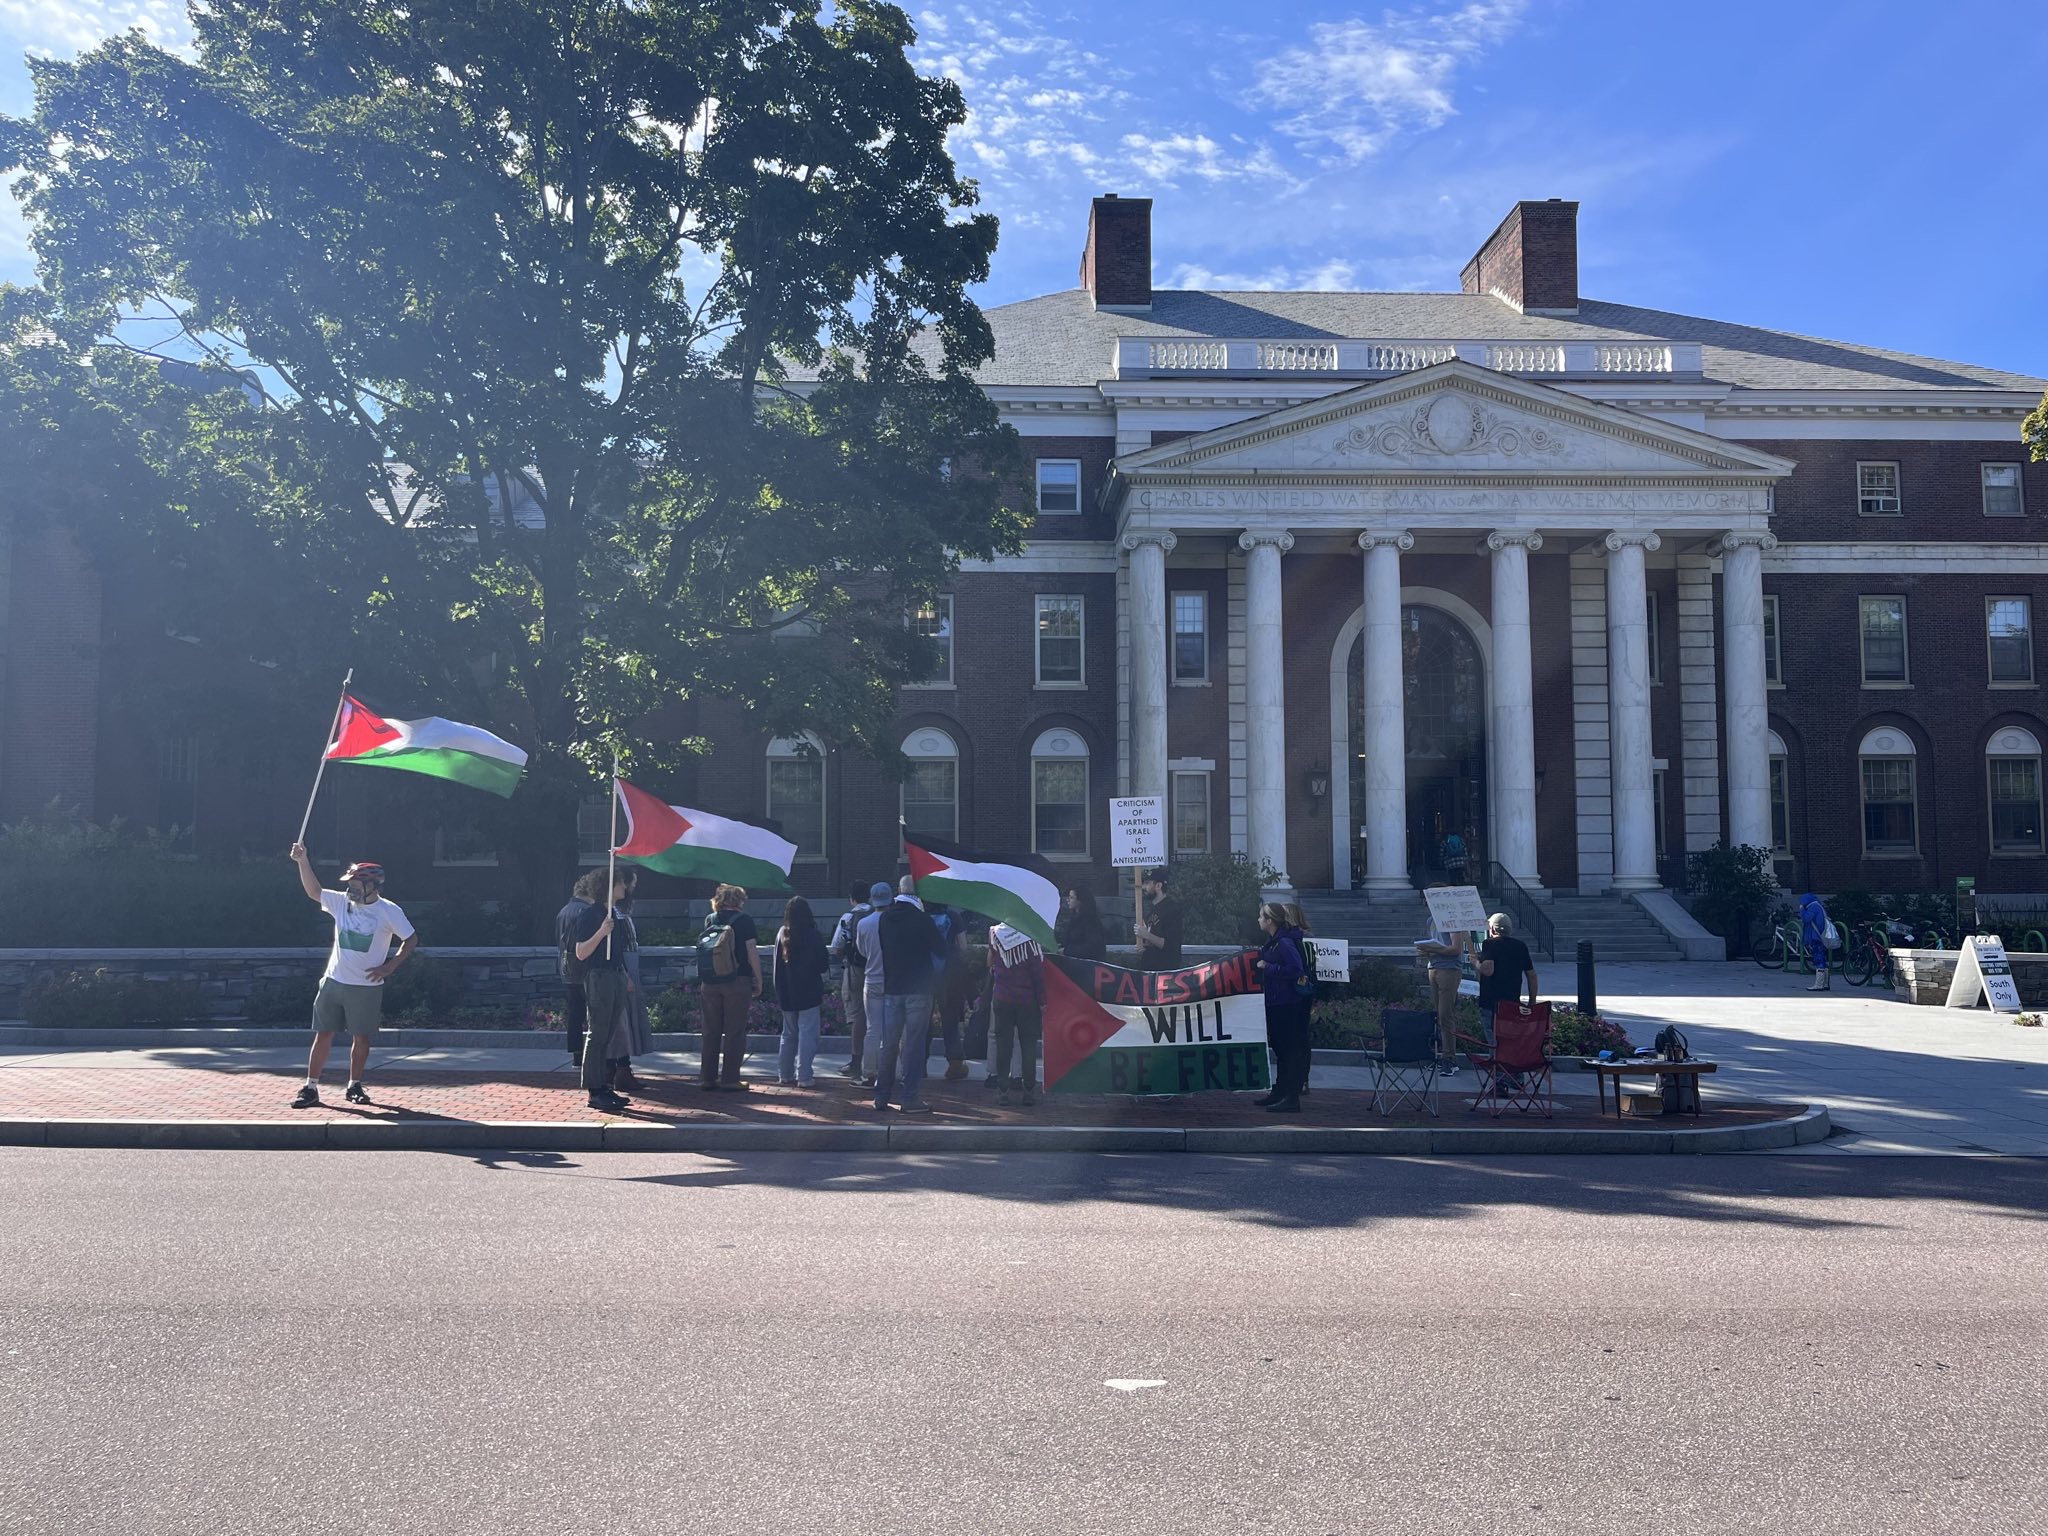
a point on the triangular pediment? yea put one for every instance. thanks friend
(1455, 418)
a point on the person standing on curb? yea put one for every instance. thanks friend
(1016, 995)
(909, 944)
(1158, 937)
(637, 1039)
(852, 974)
(1813, 933)
(1283, 962)
(729, 967)
(1444, 954)
(351, 994)
(604, 987)
(800, 966)
(867, 943)
(574, 1007)
(951, 989)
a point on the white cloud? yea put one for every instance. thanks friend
(69, 26)
(1167, 159)
(1335, 275)
(1357, 85)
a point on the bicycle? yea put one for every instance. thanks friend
(1775, 944)
(1868, 959)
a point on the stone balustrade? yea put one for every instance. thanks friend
(1172, 357)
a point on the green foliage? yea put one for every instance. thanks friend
(107, 904)
(60, 834)
(281, 1000)
(423, 989)
(1573, 1033)
(1854, 909)
(2034, 430)
(1394, 983)
(1732, 887)
(680, 1011)
(1218, 895)
(105, 1000)
(1348, 1024)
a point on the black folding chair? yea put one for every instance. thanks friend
(1405, 1072)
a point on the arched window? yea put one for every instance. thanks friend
(796, 792)
(1781, 794)
(931, 786)
(1059, 795)
(2012, 763)
(1891, 793)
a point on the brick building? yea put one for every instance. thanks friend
(1342, 573)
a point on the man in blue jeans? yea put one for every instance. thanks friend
(907, 941)
(867, 942)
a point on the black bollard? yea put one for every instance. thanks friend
(1589, 996)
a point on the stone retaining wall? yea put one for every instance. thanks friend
(1923, 975)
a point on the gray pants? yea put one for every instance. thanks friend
(605, 989)
(871, 1048)
(853, 995)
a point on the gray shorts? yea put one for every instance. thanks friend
(341, 1008)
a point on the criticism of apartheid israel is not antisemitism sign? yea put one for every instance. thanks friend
(1111, 1030)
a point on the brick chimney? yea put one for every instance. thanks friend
(1116, 264)
(1532, 260)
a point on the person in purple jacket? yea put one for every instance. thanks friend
(1016, 993)
(1282, 964)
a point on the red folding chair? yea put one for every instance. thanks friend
(1515, 1074)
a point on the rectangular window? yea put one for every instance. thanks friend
(1190, 637)
(594, 830)
(931, 797)
(1059, 486)
(1190, 813)
(1781, 807)
(2002, 490)
(177, 790)
(1059, 808)
(796, 802)
(1774, 667)
(1650, 627)
(934, 621)
(2015, 804)
(1059, 642)
(1877, 490)
(1888, 806)
(1884, 639)
(2009, 631)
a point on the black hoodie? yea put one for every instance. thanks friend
(910, 941)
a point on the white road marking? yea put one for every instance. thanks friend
(1123, 1384)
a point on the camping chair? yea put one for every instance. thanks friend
(1405, 1072)
(1515, 1072)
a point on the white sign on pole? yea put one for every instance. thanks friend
(1332, 959)
(1137, 832)
(1455, 909)
(1982, 970)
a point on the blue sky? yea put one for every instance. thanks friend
(1852, 170)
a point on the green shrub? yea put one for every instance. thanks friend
(1732, 887)
(1573, 1033)
(1218, 895)
(1854, 908)
(1397, 984)
(1348, 1024)
(423, 988)
(282, 1000)
(106, 1000)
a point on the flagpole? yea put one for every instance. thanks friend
(339, 705)
(611, 879)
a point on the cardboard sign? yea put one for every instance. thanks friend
(1455, 909)
(1137, 832)
(1331, 958)
(1111, 1030)
(1982, 971)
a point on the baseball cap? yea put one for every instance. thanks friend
(880, 891)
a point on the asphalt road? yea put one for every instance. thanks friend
(385, 1342)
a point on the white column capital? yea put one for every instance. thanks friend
(1730, 542)
(1136, 537)
(1623, 538)
(1279, 538)
(1399, 538)
(1505, 538)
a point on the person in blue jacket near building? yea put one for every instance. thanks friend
(1813, 933)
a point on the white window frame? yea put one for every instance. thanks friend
(1038, 603)
(1990, 669)
(1886, 744)
(1174, 778)
(2011, 744)
(1173, 600)
(783, 750)
(1896, 496)
(951, 635)
(2018, 488)
(1774, 641)
(1038, 488)
(1905, 679)
(930, 744)
(1061, 745)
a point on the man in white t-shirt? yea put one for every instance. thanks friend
(351, 994)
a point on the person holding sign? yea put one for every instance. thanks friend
(1443, 952)
(1158, 937)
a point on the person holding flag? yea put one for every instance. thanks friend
(601, 950)
(351, 994)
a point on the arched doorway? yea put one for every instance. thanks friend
(1443, 675)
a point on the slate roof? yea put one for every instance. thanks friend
(1061, 338)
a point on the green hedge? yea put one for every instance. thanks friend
(102, 1000)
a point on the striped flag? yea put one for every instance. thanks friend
(441, 749)
(698, 845)
(1004, 889)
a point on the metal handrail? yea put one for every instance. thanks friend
(1537, 930)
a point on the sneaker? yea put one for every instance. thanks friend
(955, 1070)
(309, 1098)
(785, 1082)
(355, 1094)
(870, 1082)
(917, 1107)
(610, 1103)
(739, 1087)
(1003, 1094)
(807, 1082)
(1027, 1098)
(852, 1070)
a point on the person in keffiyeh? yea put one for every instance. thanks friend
(1016, 992)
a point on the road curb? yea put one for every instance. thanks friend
(1810, 1125)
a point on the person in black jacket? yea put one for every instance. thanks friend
(1079, 930)
(800, 966)
(575, 1008)
(909, 943)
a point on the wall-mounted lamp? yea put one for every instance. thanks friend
(1318, 783)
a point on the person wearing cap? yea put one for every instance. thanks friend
(1158, 937)
(351, 994)
(853, 972)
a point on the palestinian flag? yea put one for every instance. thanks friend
(1009, 892)
(441, 749)
(1112, 1030)
(700, 846)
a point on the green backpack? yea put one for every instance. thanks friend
(717, 951)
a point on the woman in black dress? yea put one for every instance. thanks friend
(1079, 930)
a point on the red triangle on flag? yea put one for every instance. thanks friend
(923, 863)
(1075, 1024)
(653, 826)
(361, 731)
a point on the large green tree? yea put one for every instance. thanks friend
(521, 283)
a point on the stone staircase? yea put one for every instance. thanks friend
(1620, 930)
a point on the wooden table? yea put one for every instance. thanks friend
(1644, 1066)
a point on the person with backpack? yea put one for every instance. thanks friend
(800, 965)
(1016, 995)
(1289, 984)
(908, 943)
(951, 991)
(1815, 931)
(729, 979)
(852, 973)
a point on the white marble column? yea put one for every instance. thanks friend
(1386, 733)
(1628, 713)
(1743, 684)
(1148, 548)
(1265, 699)
(1514, 708)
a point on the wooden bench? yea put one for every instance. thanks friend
(1641, 1066)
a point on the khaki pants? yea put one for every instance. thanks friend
(1444, 984)
(726, 1005)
